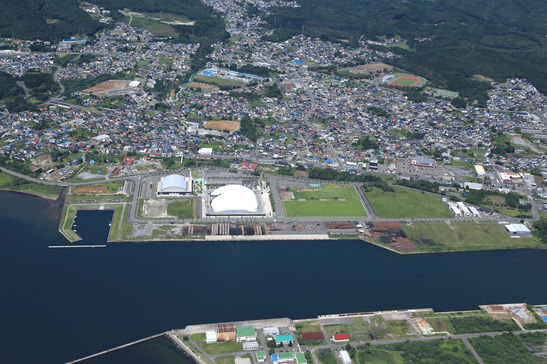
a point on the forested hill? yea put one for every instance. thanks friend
(58, 19)
(496, 38)
(209, 26)
(44, 19)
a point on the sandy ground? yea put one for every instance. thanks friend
(155, 208)
(524, 143)
(223, 125)
(377, 66)
(102, 87)
(91, 189)
(200, 85)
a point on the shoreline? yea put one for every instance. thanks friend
(31, 194)
(411, 315)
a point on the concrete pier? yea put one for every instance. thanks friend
(116, 348)
(75, 246)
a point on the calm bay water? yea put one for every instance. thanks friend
(62, 304)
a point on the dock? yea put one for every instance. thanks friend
(75, 246)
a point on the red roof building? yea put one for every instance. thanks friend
(317, 335)
(340, 337)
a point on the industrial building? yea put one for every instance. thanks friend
(340, 338)
(271, 331)
(235, 200)
(245, 333)
(481, 173)
(250, 345)
(316, 335)
(423, 162)
(344, 355)
(283, 339)
(175, 185)
(516, 229)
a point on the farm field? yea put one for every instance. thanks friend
(326, 201)
(440, 236)
(407, 203)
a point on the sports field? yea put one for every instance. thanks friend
(406, 202)
(443, 93)
(326, 201)
(404, 80)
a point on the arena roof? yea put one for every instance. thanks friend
(173, 183)
(235, 198)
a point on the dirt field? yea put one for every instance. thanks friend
(223, 125)
(199, 85)
(377, 67)
(387, 224)
(102, 87)
(91, 190)
(340, 225)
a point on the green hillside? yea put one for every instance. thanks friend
(47, 20)
(496, 38)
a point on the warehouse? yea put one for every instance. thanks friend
(175, 185)
(245, 333)
(339, 338)
(283, 339)
(423, 162)
(316, 335)
(517, 229)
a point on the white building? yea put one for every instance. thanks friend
(344, 355)
(211, 337)
(175, 185)
(252, 345)
(234, 200)
(271, 331)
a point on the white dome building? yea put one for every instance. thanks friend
(174, 185)
(234, 199)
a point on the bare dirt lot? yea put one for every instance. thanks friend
(377, 67)
(102, 87)
(223, 125)
(91, 190)
(199, 85)
(340, 225)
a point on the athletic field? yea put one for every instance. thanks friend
(326, 201)
(404, 80)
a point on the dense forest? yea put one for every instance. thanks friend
(495, 38)
(209, 27)
(50, 20)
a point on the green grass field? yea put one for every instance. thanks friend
(221, 348)
(439, 236)
(183, 209)
(339, 201)
(405, 202)
(435, 351)
(216, 81)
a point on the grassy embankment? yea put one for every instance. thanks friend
(12, 183)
